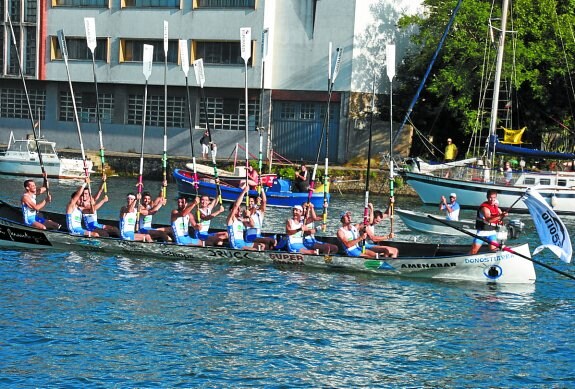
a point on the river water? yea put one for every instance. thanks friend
(80, 320)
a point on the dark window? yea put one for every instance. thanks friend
(226, 3)
(133, 50)
(153, 3)
(220, 53)
(82, 3)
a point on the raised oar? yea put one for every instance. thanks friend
(90, 27)
(366, 211)
(502, 247)
(324, 129)
(246, 52)
(165, 152)
(201, 79)
(327, 118)
(185, 61)
(147, 70)
(390, 55)
(30, 112)
(64, 48)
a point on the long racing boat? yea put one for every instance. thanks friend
(417, 260)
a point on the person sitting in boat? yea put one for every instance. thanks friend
(301, 179)
(255, 224)
(31, 209)
(351, 237)
(295, 229)
(309, 239)
(450, 151)
(74, 213)
(90, 206)
(489, 218)
(128, 219)
(451, 208)
(148, 209)
(205, 214)
(253, 178)
(181, 222)
(235, 224)
(374, 241)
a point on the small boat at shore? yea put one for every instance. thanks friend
(21, 158)
(279, 193)
(417, 260)
(422, 222)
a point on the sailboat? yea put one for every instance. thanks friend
(471, 182)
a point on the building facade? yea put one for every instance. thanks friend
(285, 76)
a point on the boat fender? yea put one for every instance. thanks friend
(553, 201)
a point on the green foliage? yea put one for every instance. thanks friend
(538, 69)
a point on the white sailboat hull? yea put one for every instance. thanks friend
(470, 194)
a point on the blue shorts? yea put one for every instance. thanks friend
(92, 226)
(187, 240)
(356, 252)
(79, 231)
(238, 243)
(204, 235)
(29, 221)
(295, 247)
(491, 236)
(128, 235)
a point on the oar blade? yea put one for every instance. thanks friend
(199, 72)
(184, 57)
(246, 43)
(90, 27)
(148, 59)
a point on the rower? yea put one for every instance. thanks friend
(206, 214)
(31, 209)
(148, 209)
(235, 222)
(74, 213)
(181, 222)
(128, 218)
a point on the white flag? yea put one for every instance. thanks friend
(551, 230)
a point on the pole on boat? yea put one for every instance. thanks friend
(332, 77)
(429, 67)
(201, 79)
(64, 48)
(496, 86)
(390, 55)
(366, 211)
(90, 27)
(502, 247)
(261, 128)
(30, 112)
(147, 70)
(165, 150)
(246, 51)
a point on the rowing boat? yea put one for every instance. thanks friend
(417, 260)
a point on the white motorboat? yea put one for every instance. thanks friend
(21, 158)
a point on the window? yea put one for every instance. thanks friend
(155, 110)
(220, 53)
(545, 181)
(132, 50)
(307, 111)
(151, 3)
(229, 113)
(226, 4)
(529, 181)
(13, 103)
(288, 111)
(86, 106)
(561, 182)
(30, 55)
(78, 49)
(80, 3)
(31, 11)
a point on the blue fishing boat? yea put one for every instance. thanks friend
(279, 194)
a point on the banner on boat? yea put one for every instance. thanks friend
(551, 230)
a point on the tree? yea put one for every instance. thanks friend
(539, 68)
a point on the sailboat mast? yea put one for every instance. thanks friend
(497, 82)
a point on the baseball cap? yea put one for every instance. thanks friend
(298, 207)
(452, 195)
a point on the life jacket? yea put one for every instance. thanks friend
(480, 223)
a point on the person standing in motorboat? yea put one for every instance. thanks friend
(31, 209)
(301, 179)
(451, 208)
(489, 218)
(205, 142)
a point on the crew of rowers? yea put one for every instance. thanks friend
(188, 227)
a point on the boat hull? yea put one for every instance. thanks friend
(421, 222)
(275, 198)
(470, 194)
(423, 260)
